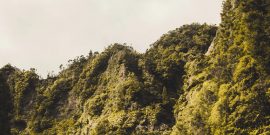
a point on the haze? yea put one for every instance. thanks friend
(46, 33)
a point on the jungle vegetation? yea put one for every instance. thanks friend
(198, 79)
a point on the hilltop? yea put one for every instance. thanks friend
(196, 79)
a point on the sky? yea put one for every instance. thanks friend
(43, 34)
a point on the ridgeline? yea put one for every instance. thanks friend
(198, 79)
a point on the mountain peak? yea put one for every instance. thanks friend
(196, 79)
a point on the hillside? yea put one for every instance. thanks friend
(198, 79)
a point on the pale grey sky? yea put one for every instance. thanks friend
(46, 33)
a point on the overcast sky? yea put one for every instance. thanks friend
(46, 33)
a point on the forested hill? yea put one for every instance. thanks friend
(198, 79)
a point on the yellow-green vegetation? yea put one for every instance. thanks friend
(198, 79)
(231, 96)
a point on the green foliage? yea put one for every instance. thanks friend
(196, 79)
(237, 67)
(5, 99)
(167, 57)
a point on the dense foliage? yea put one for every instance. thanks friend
(196, 79)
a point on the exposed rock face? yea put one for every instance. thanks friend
(211, 48)
(197, 79)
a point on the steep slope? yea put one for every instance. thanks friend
(233, 97)
(115, 92)
(181, 85)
